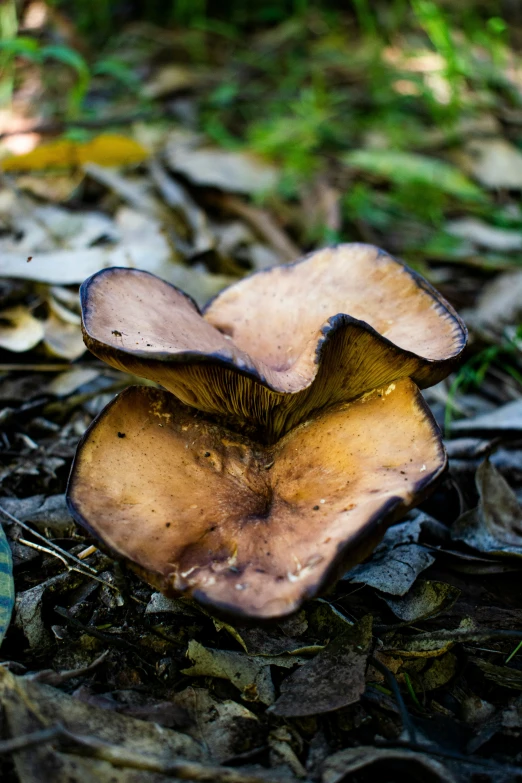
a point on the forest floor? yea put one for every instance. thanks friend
(217, 153)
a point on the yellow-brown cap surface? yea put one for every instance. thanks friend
(245, 528)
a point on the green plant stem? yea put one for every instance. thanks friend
(8, 31)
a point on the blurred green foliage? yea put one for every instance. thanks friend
(308, 83)
(473, 372)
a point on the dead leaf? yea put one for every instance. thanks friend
(179, 199)
(499, 304)
(231, 171)
(273, 641)
(383, 763)
(108, 149)
(250, 674)
(425, 599)
(63, 338)
(29, 619)
(483, 235)
(51, 187)
(505, 676)
(224, 728)
(439, 672)
(65, 383)
(261, 222)
(281, 742)
(430, 644)
(45, 513)
(19, 329)
(495, 526)
(174, 78)
(494, 162)
(506, 418)
(334, 678)
(160, 604)
(397, 561)
(29, 706)
(325, 621)
(507, 722)
(66, 267)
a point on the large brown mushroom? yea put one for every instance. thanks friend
(280, 344)
(317, 437)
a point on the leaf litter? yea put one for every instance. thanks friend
(411, 665)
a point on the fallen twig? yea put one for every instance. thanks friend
(47, 542)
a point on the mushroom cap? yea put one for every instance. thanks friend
(246, 528)
(281, 343)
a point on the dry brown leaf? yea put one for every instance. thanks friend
(495, 526)
(335, 678)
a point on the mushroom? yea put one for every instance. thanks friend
(288, 438)
(282, 343)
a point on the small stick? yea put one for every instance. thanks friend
(46, 541)
(407, 722)
(37, 367)
(87, 552)
(47, 551)
(30, 740)
(50, 677)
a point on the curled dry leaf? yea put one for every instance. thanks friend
(397, 560)
(63, 338)
(260, 506)
(495, 526)
(381, 762)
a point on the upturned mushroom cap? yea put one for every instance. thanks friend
(280, 344)
(249, 529)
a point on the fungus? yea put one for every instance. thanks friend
(291, 433)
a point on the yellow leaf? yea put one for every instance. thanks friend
(112, 150)
(108, 149)
(56, 154)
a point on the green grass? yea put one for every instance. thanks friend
(473, 372)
